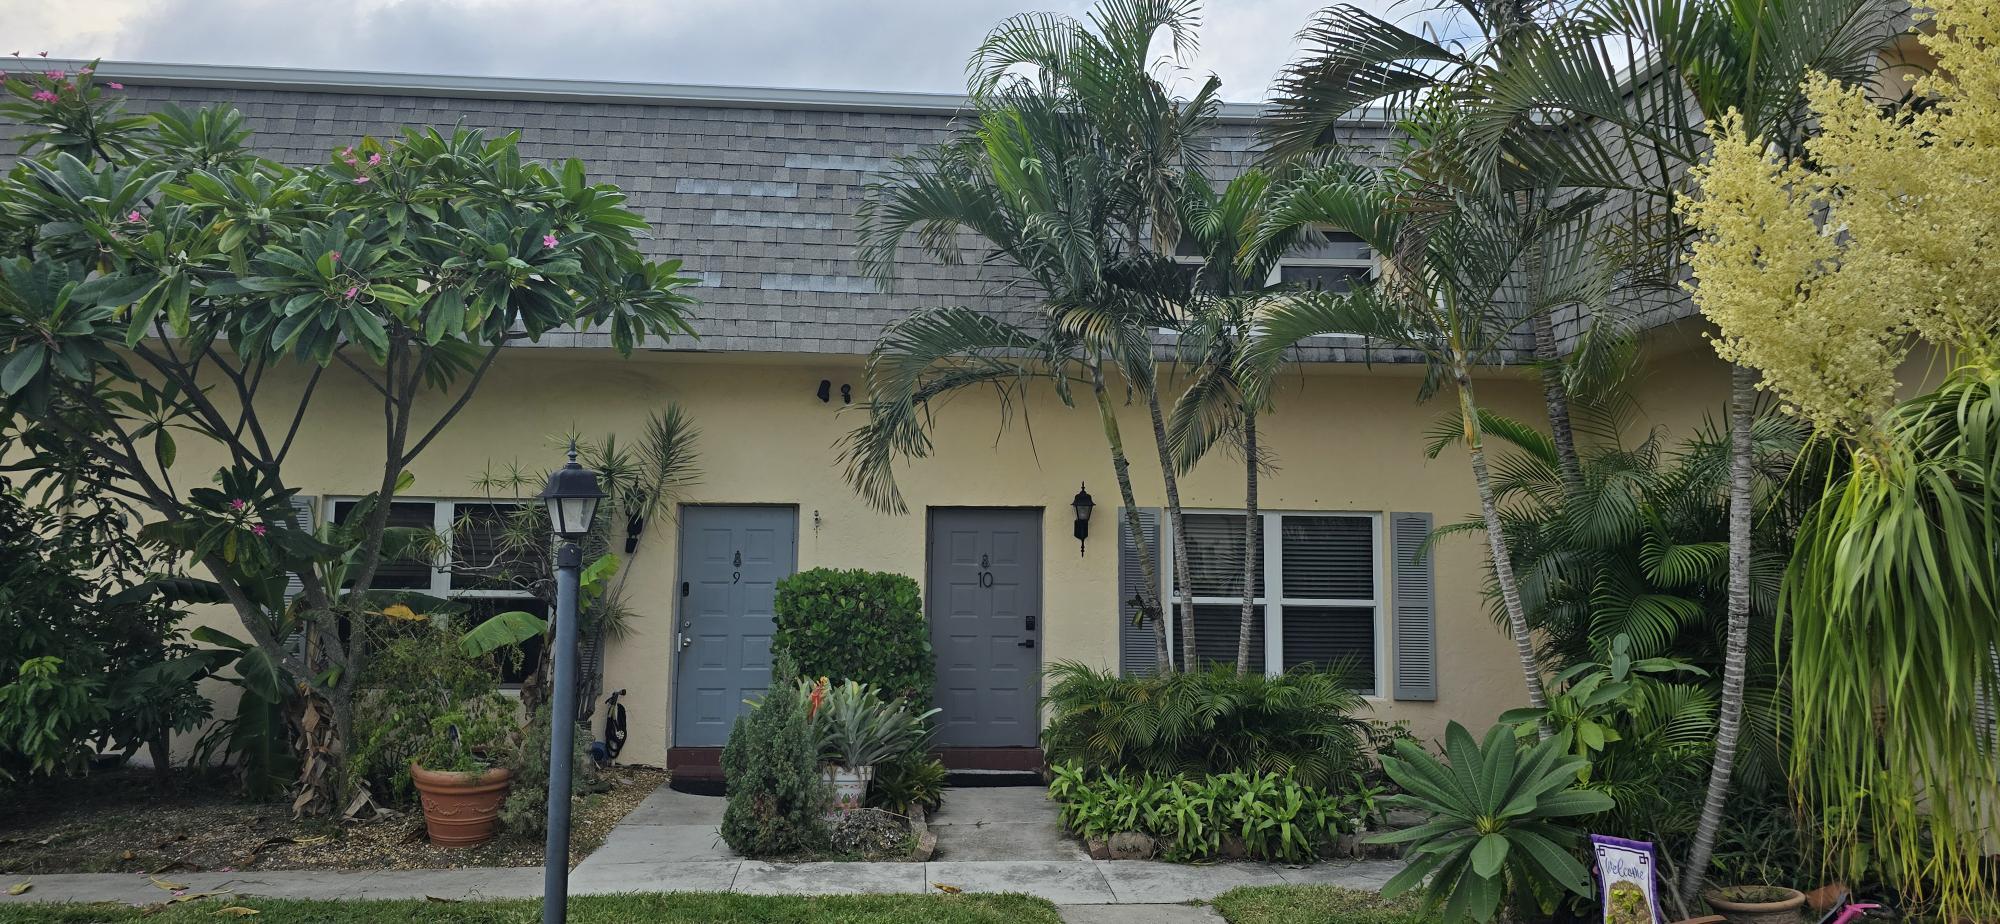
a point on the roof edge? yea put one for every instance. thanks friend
(465, 86)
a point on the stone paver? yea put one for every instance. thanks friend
(1002, 823)
(755, 877)
(1138, 914)
(1147, 881)
(1065, 882)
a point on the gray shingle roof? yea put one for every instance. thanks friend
(755, 189)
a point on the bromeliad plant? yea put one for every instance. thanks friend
(1494, 833)
(857, 728)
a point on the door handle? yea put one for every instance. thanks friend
(1026, 643)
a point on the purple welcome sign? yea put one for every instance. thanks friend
(1627, 883)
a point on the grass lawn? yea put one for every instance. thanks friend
(1313, 905)
(679, 908)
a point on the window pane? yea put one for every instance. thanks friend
(1216, 627)
(405, 573)
(514, 666)
(484, 555)
(1330, 638)
(1323, 278)
(1329, 557)
(1215, 554)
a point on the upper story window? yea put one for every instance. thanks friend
(473, 568)
(1318, 591)
(1338, 262)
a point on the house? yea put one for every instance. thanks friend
(756, 189)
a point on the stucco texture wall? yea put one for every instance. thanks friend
(1342, 438)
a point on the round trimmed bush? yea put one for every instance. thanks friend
(858, 625)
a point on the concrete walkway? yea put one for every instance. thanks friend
(989, 840)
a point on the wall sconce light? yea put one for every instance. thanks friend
(1082, 504)
(847, 394)
(825, 390)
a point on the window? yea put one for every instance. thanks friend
(1336, 263)
(477, 571)
(1318, 591)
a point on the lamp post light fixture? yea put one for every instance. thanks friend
(571, 499)
(1082, 504)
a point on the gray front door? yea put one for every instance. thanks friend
(731, 561)
(985, 615)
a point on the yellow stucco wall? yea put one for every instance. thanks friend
(1343, 439)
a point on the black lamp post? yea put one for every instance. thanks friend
(571, 498)
(1082, 504)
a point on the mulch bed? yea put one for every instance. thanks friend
(118, 822)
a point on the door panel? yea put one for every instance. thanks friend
(985, 613)
(731, 561)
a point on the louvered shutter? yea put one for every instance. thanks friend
(302, 519)
(1414, 607)
(1137, 654)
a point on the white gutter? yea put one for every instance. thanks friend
(459, 86)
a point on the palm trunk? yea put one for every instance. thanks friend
(1496, 541)
(1728, 722)
(1173, 487)
(1555, 394)
(1251, 525)
(1145, 602)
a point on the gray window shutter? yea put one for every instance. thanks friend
(1137, 655)
(1413, 607)
(302, 519)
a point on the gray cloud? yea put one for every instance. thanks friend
(862, 44)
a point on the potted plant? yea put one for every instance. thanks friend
(455, 771)
(1757, 904)
(858, 729)
(434, 719)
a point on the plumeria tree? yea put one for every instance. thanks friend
(1890, 600)
(157, 273)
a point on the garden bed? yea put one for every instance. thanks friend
(117, 822)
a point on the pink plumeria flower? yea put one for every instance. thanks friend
(257, 529)
(87, 70)
(374, 160)
(549, 240)
(361, 180)
(57, 75)
(236, 504)
(336, 256)
(134, 216)
(353, 291)
(115, 85)
(44, 96)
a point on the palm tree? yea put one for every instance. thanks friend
(1750, 57)
(1448, 294)
(1062, 174)
(1224, 393)
(1106, 66)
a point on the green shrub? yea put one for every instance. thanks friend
(907, 782)
(526, 812)
(1207, 722)
(1273, 816)
(430, 704)
(858, 625)
(771, 763)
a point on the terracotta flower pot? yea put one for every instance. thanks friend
(462, 809)
(1780, 910)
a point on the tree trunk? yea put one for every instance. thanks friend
(1252, 525)
(1188, 652)
(159, 748)
(1555, 394)
(1146, 601)
(1496, 542)
(1729, 717)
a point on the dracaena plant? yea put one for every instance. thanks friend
(1495, 831)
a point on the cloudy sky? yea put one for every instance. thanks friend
(855, 44)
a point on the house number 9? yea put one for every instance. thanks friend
(736, 577)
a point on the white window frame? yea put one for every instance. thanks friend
(444, 513)
(1372, 263)
(1272, 565)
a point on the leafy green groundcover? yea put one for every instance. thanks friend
(655, 908)
(1313, 905)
